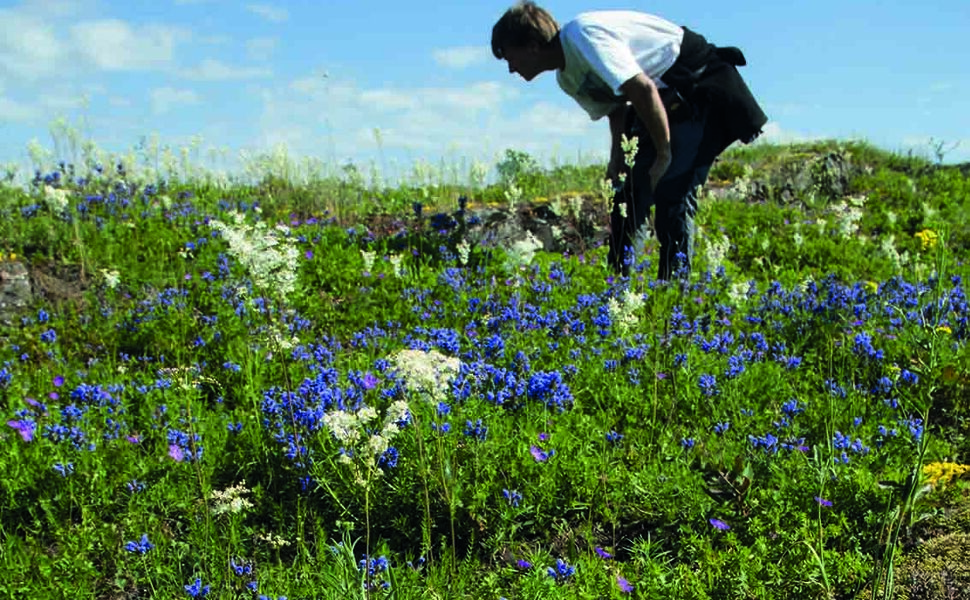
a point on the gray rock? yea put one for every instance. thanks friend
(15, 290)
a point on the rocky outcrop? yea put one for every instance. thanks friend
(15, 290)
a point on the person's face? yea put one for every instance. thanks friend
(523, 60)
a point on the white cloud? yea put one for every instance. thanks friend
(461, 57)
(29, 48)
(164, 99)
(17, 112)
(114, 45)
(261, 48)
(211, 69)
(273, 14)
(773, 133)
(316, 116)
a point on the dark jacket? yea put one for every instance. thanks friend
(707, 75)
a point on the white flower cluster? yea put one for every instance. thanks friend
(520, 253)
(362, 450)
(230, 500)
(847, 215)
(716, 250)
(111, 278)
(624, 314)
(56, 199)
(268, 255)
(428, 373)
(888, 248)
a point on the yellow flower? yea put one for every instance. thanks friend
(928, 239)
(872, 286)
(942, 472)
(944, 329)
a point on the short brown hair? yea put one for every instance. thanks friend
(523, 23)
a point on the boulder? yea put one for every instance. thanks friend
(15, 290)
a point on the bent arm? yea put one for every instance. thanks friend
(642, 93)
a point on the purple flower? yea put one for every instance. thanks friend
(24, 428)
(625, 586)
(540, 455)
(603, 553)
(59, 381)
(176, 452)
(370, 381)
(308, 254)
(719, 524)
(823, 501)
(523, 564)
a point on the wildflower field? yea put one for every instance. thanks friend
(252, 390)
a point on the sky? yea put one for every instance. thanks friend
(402, 83)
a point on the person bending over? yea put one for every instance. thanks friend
(680, 96)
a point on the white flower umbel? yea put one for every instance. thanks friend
(363, 443)
(428, 373)
(368, 259)
(521, 252)
(398, 266)
(230, 500)
(464, 252)
(111, 278)
(268, 255)
(623, 312)
(716, 250)
(56, 199)
(848, 214)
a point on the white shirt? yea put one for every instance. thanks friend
(604, 49)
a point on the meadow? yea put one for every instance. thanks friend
(251, 390)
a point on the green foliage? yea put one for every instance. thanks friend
(757, 430)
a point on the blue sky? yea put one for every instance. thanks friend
(321, 77)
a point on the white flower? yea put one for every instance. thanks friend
(269, 256)
(428, 373)
(231, 500)
(111, 278)
(56, 199)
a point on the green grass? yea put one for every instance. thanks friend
(759, 429)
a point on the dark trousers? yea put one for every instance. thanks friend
(693, 141)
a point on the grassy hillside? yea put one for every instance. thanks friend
(326, 389)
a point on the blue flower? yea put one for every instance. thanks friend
(389, 458)
(196, 589)
(562, 571)
(140, 547)
(708, 385)
(512, 496)
(476, 430)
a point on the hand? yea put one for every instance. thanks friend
(657, 170)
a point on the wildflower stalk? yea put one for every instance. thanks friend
(422, 457)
